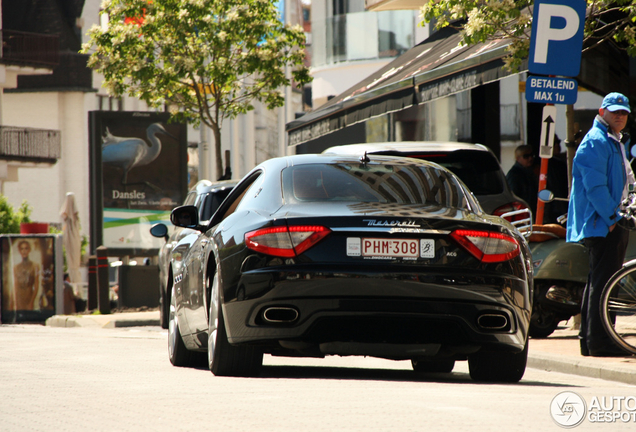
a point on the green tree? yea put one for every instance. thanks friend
(206, 60)
(10, 219)
(483, 20)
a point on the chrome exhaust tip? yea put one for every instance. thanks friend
(493, 321)
(280, 314)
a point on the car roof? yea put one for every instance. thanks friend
(406, 146)
(354, 157)
(205, 186)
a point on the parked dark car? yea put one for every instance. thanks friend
(316, 255)
(475, 164)
(206, 196)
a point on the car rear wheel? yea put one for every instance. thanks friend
(177, 352)
(225, 359)
(431, 366)
(498, 366)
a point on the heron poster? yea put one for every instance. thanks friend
(139, 173)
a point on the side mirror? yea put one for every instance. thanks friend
(185, 216)
(546, 195)
(159, 230)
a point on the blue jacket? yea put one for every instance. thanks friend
(598, 179)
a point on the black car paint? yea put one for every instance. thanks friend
(206, 196)
(335, 297)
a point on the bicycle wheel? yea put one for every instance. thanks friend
(618, 307)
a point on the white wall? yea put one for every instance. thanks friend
(335, 79)
(40, 185)
(509, 94)
(45, 186)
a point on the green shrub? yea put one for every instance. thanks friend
(10, 219)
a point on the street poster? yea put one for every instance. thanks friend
(138, 175)
(30, 277)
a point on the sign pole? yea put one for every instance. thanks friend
(545, 151)
(543, 179)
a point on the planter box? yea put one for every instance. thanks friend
(34, 228)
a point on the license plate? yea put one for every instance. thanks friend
(398, 248)
(391, 248)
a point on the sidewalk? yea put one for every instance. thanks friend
(558, 353)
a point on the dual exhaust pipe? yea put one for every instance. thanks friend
(287, 315)
(280, 314)
(493, 321)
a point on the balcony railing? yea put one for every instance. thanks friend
(29, 144)
(29, 49)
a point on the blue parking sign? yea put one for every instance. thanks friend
(557, 37)
(551, 90)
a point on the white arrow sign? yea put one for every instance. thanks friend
(548, 120)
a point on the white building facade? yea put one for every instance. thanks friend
(250, 138)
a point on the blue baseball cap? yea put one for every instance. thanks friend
(615, 102)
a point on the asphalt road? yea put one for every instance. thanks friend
(79, 379)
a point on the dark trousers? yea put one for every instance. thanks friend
(606, 258)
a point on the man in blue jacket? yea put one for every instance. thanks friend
(600, 177)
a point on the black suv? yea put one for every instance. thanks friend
(475, 164)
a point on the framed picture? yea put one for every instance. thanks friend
(138, 175)
(31, 277)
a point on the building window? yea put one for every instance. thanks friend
(108, 103)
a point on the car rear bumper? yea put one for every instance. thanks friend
(387, 315)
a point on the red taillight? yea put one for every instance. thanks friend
(515, 205)
(487, 246)
(285, 242)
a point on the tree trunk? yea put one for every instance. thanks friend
(216, 130)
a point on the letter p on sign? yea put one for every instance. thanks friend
(557, 37)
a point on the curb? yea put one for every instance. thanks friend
(582, 367)
(102, 321)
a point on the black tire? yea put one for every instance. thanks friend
(164, 308)
(618, 308)
(178, 354)
(542, 322)
(498, 366)
(225, 359)
(433, 366)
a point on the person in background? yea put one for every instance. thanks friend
(69, 296)
(600, 178)
(521, 178)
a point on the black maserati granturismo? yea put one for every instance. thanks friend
(317, 255)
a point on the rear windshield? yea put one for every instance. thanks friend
(397, 183)
(479, 170)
